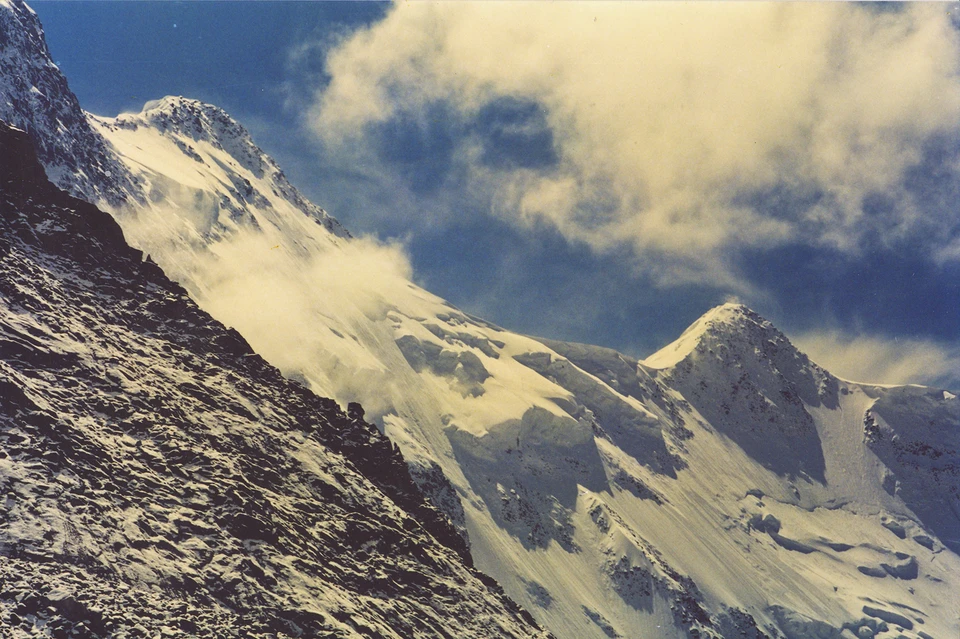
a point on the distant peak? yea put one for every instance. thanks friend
(174, 103)
(727, 322)
(187, 121)
(187, 117)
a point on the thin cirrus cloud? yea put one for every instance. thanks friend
(874, 359)
(660, 127)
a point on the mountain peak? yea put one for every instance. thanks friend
(747, 380)
(184, 107)
(207, 134)
(186, 119)
(186, 116)
(172, 102)
(734, 334)
(727, 321)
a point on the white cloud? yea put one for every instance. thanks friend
(276, 297)
(663, 114)
(883, 360)
(302, 304)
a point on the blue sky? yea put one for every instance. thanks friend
(599, 173)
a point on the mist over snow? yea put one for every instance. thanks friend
(882, 360)
(277, 296)
(277, 300)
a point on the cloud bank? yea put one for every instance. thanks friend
(686, 132)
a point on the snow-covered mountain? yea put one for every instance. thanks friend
(35, 97)
(726, 486)
(161, 479)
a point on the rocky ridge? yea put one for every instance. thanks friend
(34, 96)
(187, 122)
(161, 478)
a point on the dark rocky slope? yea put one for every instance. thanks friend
(159, 478)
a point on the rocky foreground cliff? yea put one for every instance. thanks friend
(161, 479)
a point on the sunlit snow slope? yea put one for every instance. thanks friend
(728, 485)
(725, 487)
